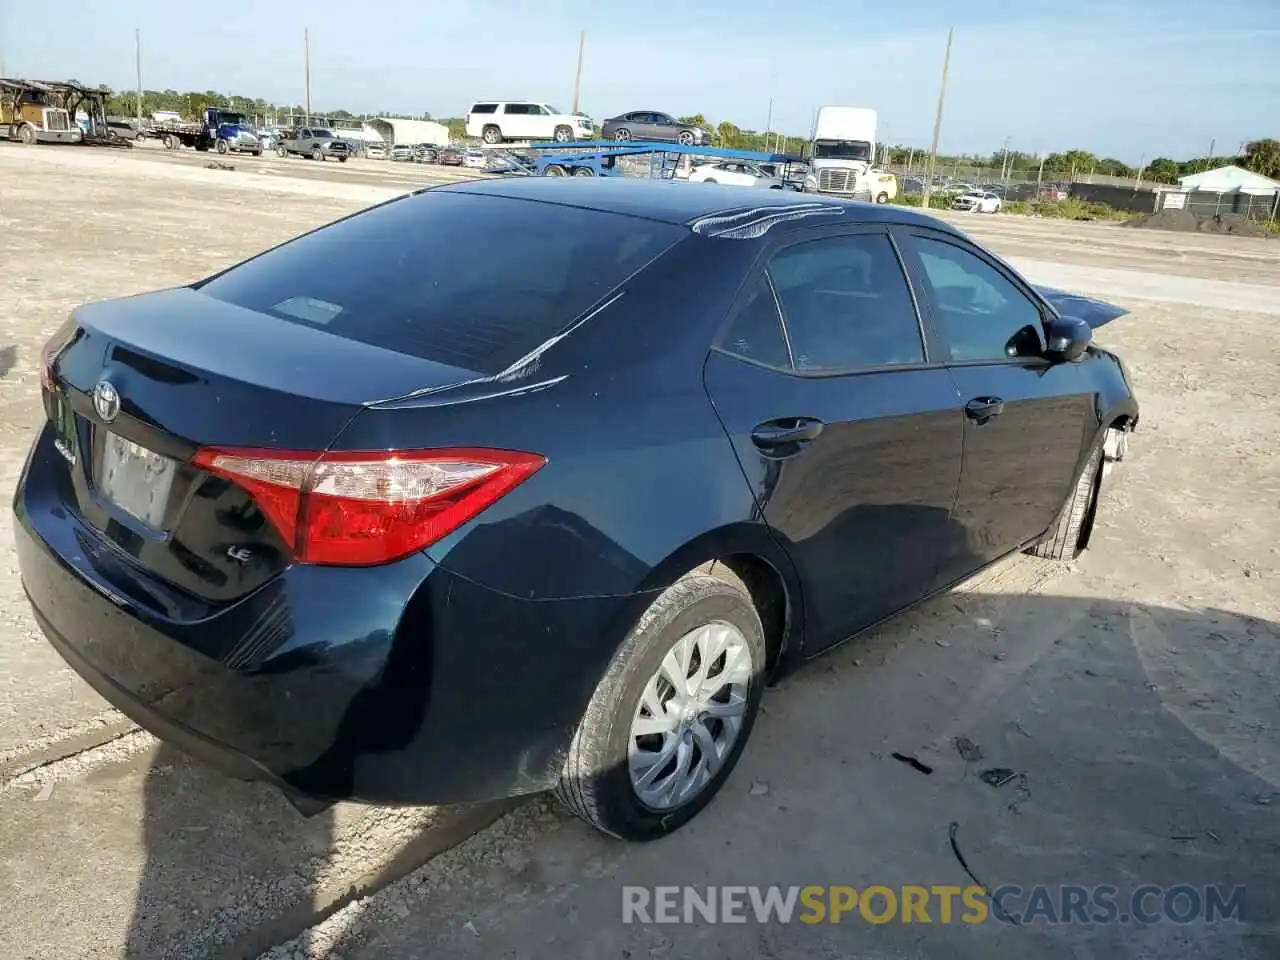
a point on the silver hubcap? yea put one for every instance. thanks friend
(690, 715)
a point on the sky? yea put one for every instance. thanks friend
(1131, 80)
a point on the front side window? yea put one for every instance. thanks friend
(984, 316)
(846, 304)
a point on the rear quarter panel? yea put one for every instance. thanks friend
(641, 479)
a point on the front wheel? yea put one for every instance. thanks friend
(27, 135)
(882, 197)
(562, 134)
(342, 159)
(317, 155)
(583, 172)
(672, 714)
(685, 138)
(553, 170)
(222, 146)
(1069, 535)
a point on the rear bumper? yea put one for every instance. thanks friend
(396, 684)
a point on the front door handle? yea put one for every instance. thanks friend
(982, 409)
(786, 435)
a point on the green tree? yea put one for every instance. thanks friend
(1263, 156)
(1163, 170)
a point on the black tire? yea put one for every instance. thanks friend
(317, 154)
(583, 172)
(491, 134)
(257, 153)
(710, 180)
(882, 197)
(281, 152)
(1069, 535)
(342, 159)
(221, 146)
(553, 170)
(685, 138)
(622, 134)
(27, 134)
(595, 783)
(562, 134)
(170, 142)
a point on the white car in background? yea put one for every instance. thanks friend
(495, 121)
(474, 158)
(738, 173)
(976, 201)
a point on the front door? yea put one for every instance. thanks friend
(849, 437)
(1026, 419)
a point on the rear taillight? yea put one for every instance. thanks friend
(360, 509)
(61, 339)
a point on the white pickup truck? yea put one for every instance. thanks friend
(842, 152)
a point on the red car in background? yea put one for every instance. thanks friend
(449, 157)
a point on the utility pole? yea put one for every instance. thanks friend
(1039, 177)
(577, 77)
(1004, 161)
(137, 47)
(937, 119)
(768, 125)
(1209, 159)
(306, 45)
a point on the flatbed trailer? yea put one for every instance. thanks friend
(549, 159)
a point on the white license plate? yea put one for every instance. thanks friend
(136, 479)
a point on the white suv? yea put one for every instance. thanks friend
(494, 121)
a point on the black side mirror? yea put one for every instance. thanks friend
(1068, 339)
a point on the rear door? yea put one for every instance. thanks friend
(1026, 420)
(848, 434)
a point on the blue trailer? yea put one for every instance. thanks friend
(548, 159)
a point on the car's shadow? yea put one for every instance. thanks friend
(1137, 735)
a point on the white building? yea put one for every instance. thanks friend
(1230, 179)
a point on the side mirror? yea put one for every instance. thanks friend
(1068, 339)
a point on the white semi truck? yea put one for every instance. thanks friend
(842, 152)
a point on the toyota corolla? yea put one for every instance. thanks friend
(516, 485)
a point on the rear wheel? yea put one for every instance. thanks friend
(221, 146)
(710, 180)
(1069, 535)
(281, 152)
(553, 170)
(622, 134)
(491, 134)
(882, 197)
(170, 142)
(583, 172)
(673, 713)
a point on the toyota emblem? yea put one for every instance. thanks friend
(106, 401)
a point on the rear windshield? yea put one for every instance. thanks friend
(472, 281)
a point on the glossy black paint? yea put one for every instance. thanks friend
(461, 673)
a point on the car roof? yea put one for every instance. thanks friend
(675, 202)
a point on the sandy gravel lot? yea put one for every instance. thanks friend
(1134, 690)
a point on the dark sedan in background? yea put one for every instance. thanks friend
(397, 513)
(651, 125)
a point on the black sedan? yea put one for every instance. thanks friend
(651, 125)
(395, 513)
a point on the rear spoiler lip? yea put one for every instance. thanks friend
(1094, 312)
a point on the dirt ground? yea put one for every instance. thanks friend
(1133, 692)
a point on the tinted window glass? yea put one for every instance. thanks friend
(472, 281)
(984, 315)
(846, 304)
(519, 109)
(756, 331)
(484, 108)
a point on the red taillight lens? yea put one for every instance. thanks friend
(359, 509)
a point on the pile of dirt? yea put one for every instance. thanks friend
(1184, 221)
(1233, 224)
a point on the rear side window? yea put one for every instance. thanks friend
(472, 281)
(484, 108)
(755, 332)
(517, 109)
(846, 304)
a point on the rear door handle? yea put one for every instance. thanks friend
(773, 436)
(982, 409)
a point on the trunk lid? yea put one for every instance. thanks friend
(146, 381)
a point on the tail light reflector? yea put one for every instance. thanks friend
(360, 509)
